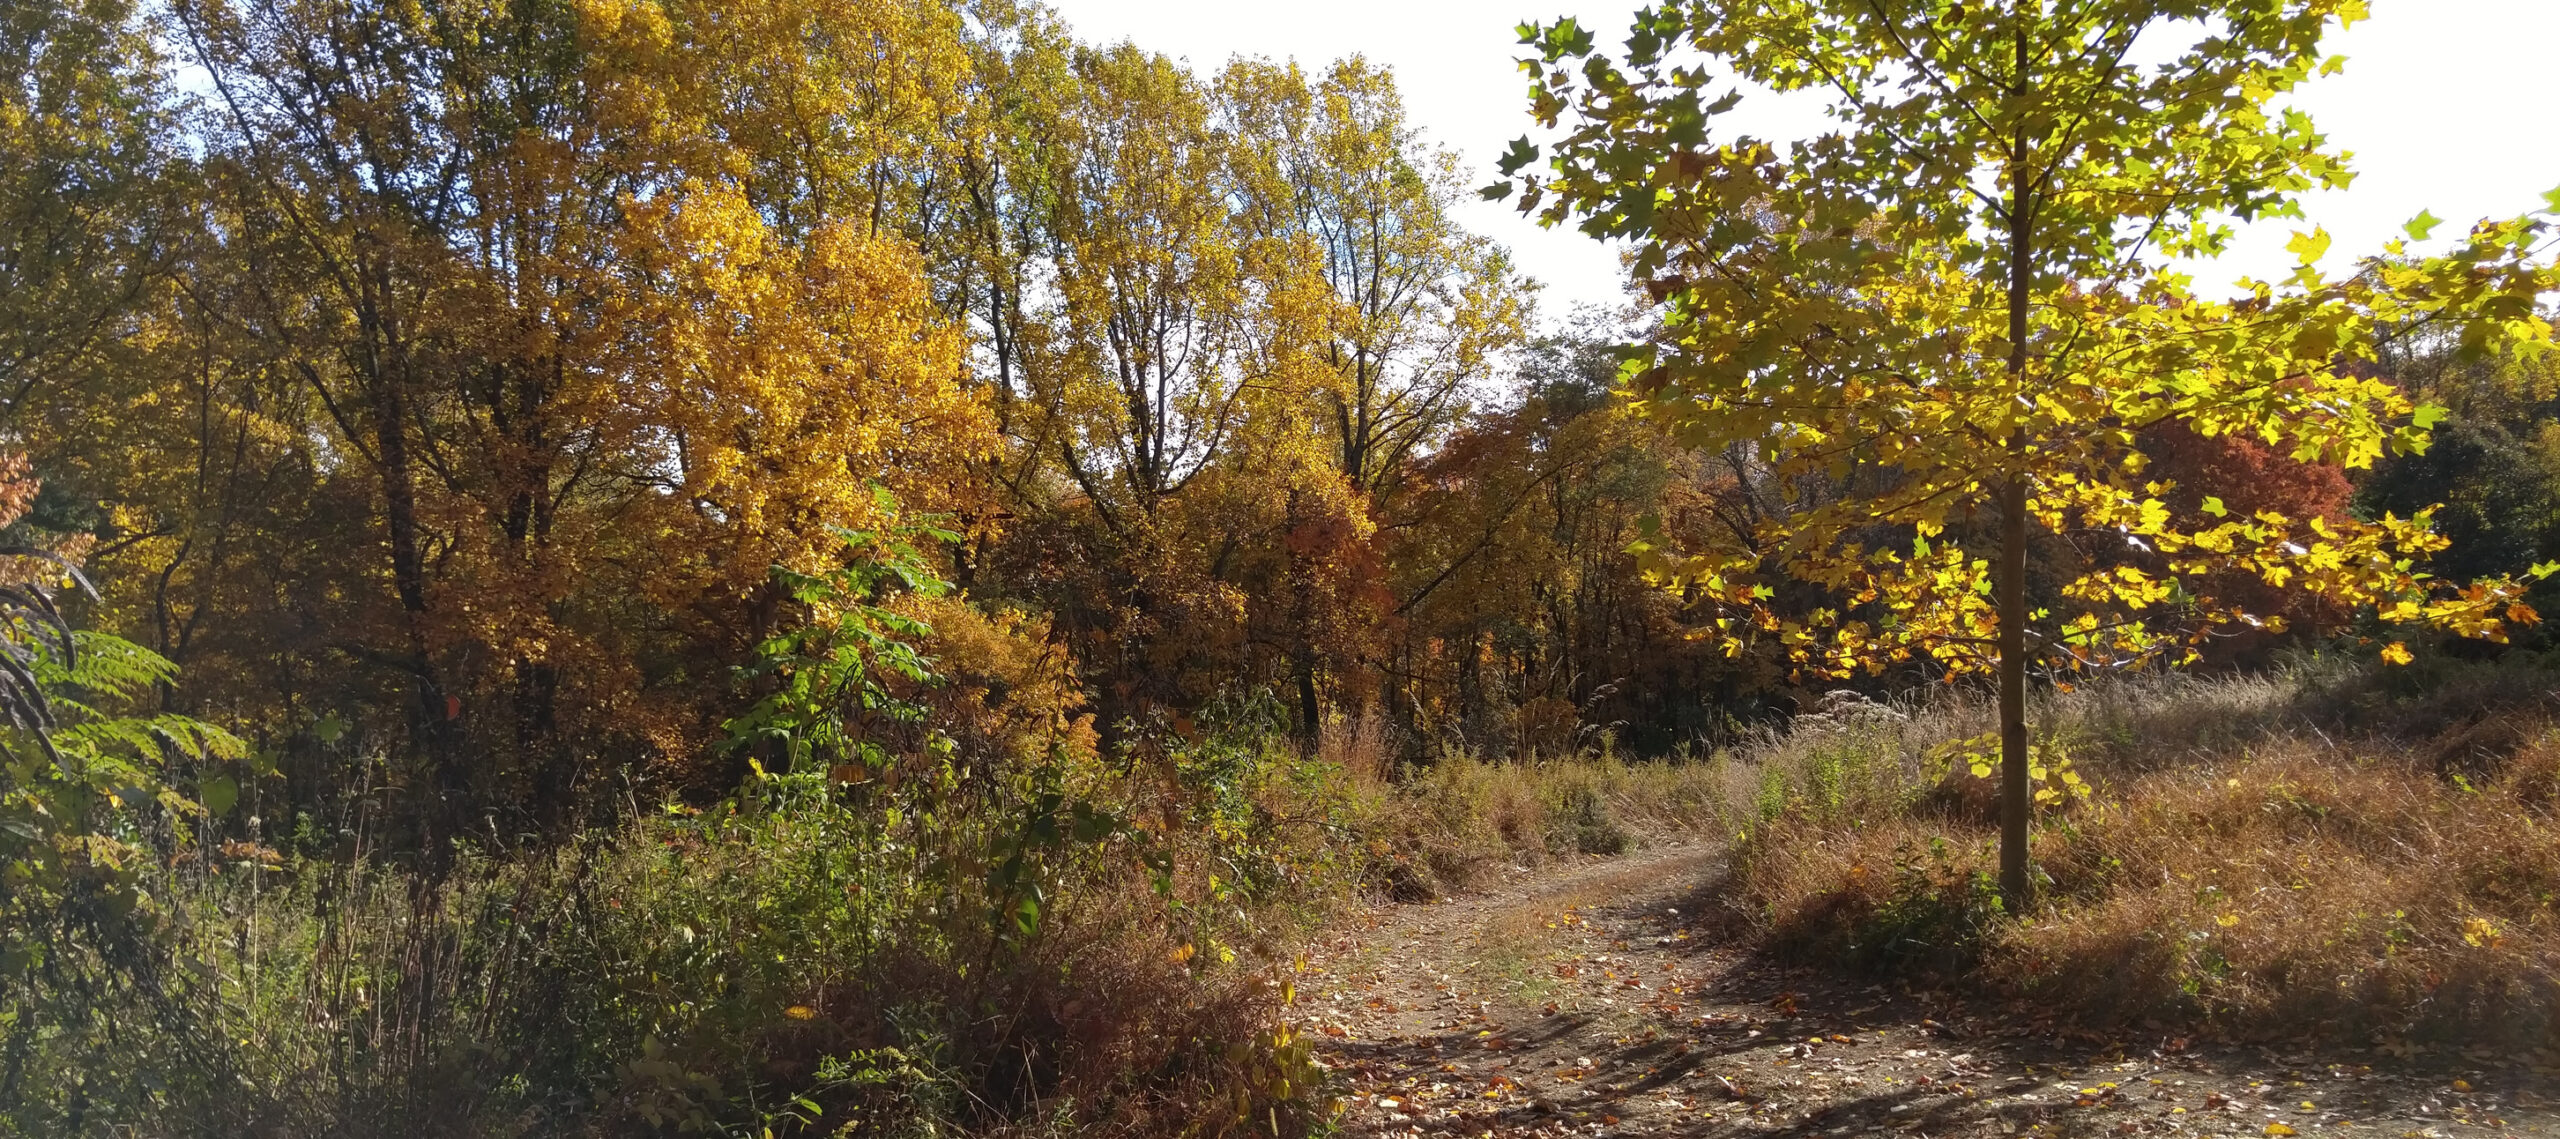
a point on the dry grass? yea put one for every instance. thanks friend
(1446, 825)
(2239, 870)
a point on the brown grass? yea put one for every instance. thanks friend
(1447, 825)
(2238, 871)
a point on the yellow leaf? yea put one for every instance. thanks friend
(1183, 954)
(2481, 933)
(2280, 1129)
(2396, 653)
(801, 1012)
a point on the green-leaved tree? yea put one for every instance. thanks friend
(1964, 296)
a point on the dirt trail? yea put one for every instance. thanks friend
(1600, 999)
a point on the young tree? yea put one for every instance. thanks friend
(1964, 290)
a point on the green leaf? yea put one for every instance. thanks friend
(328, 729)
(219, 794)
(2422, 225)
(2213, 506)
(2551, 200)
(1521, 153)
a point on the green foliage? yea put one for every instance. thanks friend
(887, 928)
(1935, 917)
(828, 680)
(86, 814)
(2493, 475)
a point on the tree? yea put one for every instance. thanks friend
(1421, 310)
(1412, 315)
(1223, 322)
(2495, 467)
(1963, 291)
(567, 324)
(83, 222)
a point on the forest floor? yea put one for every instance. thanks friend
(1611, 998)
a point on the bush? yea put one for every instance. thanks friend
(933, 906)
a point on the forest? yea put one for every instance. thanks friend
(877, 567)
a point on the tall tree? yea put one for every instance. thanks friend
(1965, 287)
(1422, 311)
(585, 317)
(92, 202)
(1414, 317)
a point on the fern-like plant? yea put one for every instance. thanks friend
(82, 761)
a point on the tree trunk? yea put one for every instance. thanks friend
(1310, 711)
(2016, 799)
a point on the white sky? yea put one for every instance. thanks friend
(2443, 103)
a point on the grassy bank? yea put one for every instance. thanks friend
(2325, 853)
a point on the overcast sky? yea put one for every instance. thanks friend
(2444, 103)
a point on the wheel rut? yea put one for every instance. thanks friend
(1620, 997)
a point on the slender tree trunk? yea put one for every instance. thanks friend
(438, 711)
(2016, 799)
(1310, 710)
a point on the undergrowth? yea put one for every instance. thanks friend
(1431, 828)
(1000, 926)
(2323, 853)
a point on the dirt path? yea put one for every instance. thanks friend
(1598, 999)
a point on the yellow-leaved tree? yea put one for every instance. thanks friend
(585, 317)
(1964, 295)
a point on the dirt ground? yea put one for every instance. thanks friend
(1600, 999)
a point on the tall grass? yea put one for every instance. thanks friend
(2320, 852)
(1448, 824)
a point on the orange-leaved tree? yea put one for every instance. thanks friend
(563, 326)
(1965, 289)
